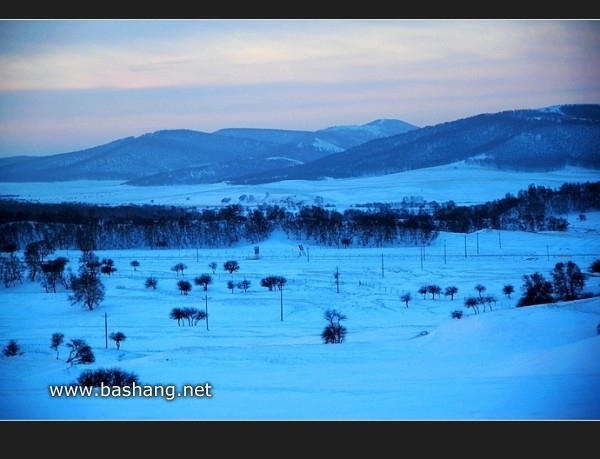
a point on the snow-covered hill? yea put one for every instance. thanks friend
(541, 140)
(185, 156)
(463, 183)
(260, 351)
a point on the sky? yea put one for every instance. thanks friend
(261, 353)
(67, 85)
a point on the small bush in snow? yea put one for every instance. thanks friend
(151, 282)
(80, 352)
(107, 377)
(334, 332)
(12, 349)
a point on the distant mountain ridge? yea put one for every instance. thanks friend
(542, 139)
(186, 156)
(534, 140)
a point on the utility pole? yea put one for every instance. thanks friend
(382, 272)
(465, 245)
(444, 252)
(106, 330)
(206, 309)
(281, 301)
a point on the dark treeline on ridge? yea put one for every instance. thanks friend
(411, 222)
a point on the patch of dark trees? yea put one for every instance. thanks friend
(410, 222)
(535, 209)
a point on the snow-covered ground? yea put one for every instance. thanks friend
(397, 363)
(465, 184)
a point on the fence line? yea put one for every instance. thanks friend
(317, 257)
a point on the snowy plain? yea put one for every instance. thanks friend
(398, 362)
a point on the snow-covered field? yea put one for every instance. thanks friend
(397, 363)
(465, 184)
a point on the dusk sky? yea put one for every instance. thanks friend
(67, 85)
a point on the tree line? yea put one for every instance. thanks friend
(81, 226)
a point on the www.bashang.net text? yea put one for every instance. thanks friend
(168, 392)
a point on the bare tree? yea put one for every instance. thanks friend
(406, 298)
(280, 282)
(117, 337)
(189, 313)
(488, 300)
(244, 285)
(35, 253)
(88, 289)
(204, 280)
(178, 268)
(199, 315)
(472, 302)
(334, 332)
(480, 289)
(108, 267)
(192, 315)
(568, 281)
(11, 270)
(177, 314)
(53, 272)
(451, 291)
(508, 290)
(55, 341)
(184, 287)
(434, 290)
(273, 282)
(230, 285)
(231, 266)
(536, 290)
(80, 352)
(151, 282)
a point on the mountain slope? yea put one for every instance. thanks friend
(543, 139)
(295, 147)
(134, 157)
(338, 138)
(181, 156)
(212, 173)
